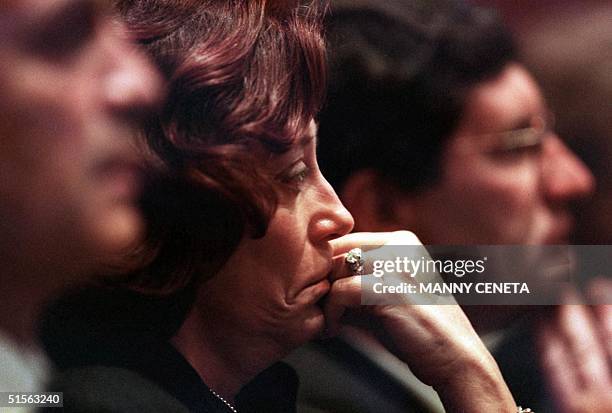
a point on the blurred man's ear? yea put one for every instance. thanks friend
(376, 204)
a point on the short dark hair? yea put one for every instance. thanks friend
(400, 73)
(244, 78)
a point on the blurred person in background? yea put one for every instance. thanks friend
(244, 258)
(433, 125)
(71, 92)
(570, 54)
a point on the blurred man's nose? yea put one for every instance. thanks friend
(566, 177)
(133, 84)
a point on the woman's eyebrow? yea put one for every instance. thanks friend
(310, 135)
(307, 139)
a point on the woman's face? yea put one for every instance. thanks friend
(271, 286)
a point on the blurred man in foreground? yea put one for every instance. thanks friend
(71, 91)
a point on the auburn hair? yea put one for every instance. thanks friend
(244, 79)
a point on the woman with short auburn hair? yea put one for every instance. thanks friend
(245, 255)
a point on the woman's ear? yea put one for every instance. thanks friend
(377, 204)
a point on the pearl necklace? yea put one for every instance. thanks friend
(232, 408)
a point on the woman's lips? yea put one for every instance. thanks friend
(320, 289)
(312, 293)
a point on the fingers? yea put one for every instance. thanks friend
(344, 293)
(600, 293)
(344, 244)
(340, 268)
(556, 362)
(341, 246)
(578, 329)
(370, 242)
(574, 360)
(603, 313)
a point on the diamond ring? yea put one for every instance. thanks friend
(354, 258)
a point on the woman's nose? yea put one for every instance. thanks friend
(334, 220)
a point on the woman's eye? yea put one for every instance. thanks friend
(301, 176)
(297, 175)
